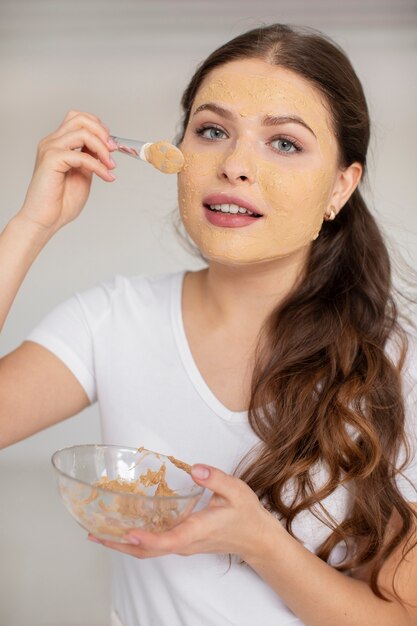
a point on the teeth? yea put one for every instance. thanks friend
(230, 208)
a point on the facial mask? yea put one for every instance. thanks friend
(292, 191)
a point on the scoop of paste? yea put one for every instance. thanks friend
(165, 157)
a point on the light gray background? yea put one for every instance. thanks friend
(128, 62)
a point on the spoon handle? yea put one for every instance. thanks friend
(131, 147)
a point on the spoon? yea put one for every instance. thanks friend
(163, 155)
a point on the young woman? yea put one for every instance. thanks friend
(280, 370)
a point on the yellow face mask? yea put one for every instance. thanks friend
(259, 138)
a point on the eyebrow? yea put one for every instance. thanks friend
(267, 120)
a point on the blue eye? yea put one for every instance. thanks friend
(211, 132)
(285, 145)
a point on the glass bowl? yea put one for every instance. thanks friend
(111, 490)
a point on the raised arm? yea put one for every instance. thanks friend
(36, 388)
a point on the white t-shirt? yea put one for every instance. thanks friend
(124, 341)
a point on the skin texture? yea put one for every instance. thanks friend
(293, 190)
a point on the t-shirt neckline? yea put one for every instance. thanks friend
(187, 358)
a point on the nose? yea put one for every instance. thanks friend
(238, 165)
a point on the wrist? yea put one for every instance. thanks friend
(264, 542)
(36, 234)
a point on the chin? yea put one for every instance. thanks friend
(240, 260)
(233, 248)
(238, 257)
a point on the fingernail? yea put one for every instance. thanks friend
(112, 176)
(135, 540)
(112, 161)
(200, 471)
(111, 144)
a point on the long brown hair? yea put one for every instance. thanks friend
(323, 389)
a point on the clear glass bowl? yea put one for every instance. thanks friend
(84, 473)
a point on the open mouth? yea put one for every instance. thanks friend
(232, 209)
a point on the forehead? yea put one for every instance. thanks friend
(255, 87)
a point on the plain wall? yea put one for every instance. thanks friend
(128, 63)
(134, 84)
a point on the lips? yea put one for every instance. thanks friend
(220, 198)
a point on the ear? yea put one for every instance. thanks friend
(345, 184)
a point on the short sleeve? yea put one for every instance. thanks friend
(407, 480)
(68, 332)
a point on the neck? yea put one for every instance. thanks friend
(244, 296)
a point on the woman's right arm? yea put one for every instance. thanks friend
(36, 388)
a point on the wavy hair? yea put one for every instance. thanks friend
(324, 391)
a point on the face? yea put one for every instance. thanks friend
(259, 139)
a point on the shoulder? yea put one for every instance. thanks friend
(409, 380)
(402, 347)
(409, 369)
(125, 292)
(401, 350)
(407, 457)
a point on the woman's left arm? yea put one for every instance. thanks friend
(322, 596)
(235, 522)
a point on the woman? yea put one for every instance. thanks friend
(280, 366)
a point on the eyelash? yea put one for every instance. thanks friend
(199, 131)
(298, 148)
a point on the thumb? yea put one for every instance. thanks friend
(216, 480)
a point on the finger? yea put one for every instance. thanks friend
(177, 540)
(83, 114)
(132, 548)
(227, 486)
(160, 542)
(63, 161)
(116, 545)
(83, 138)
(77, 120)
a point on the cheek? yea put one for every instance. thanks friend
(297, 200)
(192, 179)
